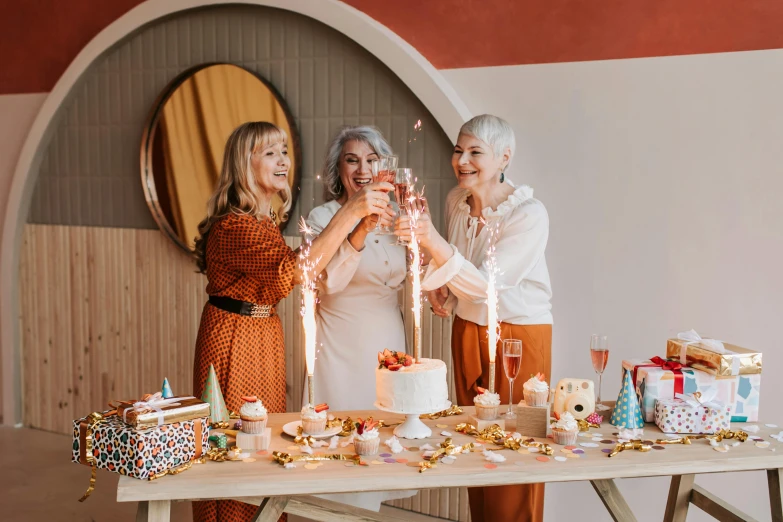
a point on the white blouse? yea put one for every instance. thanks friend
(522, 280)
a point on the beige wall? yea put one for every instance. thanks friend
(17, 112)
(663, 180)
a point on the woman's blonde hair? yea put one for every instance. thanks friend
(237, 191)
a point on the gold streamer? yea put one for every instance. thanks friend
(174, 471)
(495, 435)
(453, 410)
(284, 458)
(630, 445)
(93, 419)
(717, 437)
(585, 426)
(219, 455)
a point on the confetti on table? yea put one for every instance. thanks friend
(307, 449)
(778, 436)
(578, 451)
(533, 450)
(751, 428)
(446, 433)
(523, 451)
(262, 452)
(363, 463)
(413, 448)
(441, 426)
(311, 466)
(402, 461)
(763, 444)
(249, 459)
(606, 441)
(606, 450)
(490, 466)
(493, 457)
(349, 464)
(588, 444)
(560, 459)
(385, 455)
(659, 447)
(292, 448)
(570, 447)
(757, 439)
(722, 449)
(672, 435)
(598, 434)
(377, 462)
(542, 459)
(565, 450)
(586, 435)
(426, 447)
(390, 461)
(289, 465)
(448, 459)
(572, 455)
(771, 425)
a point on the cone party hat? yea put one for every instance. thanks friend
(627, 412)
(166, 389)
(212, 395)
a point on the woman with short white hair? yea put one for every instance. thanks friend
(486, 210)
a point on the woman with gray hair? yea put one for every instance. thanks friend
(358, 313)
(487, 211)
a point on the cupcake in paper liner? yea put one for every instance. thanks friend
(314, 419)
(565, 430)
(536, 390)
(487, 405)
(253, 415)
(366, 440)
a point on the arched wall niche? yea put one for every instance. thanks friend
(95, 276)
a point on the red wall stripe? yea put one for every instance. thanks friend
(39, 38)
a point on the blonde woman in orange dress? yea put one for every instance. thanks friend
(249, 270)
(457, 278)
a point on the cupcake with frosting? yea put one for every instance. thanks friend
(565, 430)
(536, 390)
(253, 415)
(314, 419)
(487, 404)
(366, 440)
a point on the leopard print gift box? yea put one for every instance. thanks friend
(141, 453)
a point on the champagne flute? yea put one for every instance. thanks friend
(403, 186)
(512, 362)
(383, 170)
(599, 353)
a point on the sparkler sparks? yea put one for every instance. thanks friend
(414, 214)
(308, 304)
(493, 325)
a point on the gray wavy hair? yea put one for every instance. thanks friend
(495, 132)
(333, 186)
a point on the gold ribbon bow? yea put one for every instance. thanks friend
(635, 444)
(495, 435)
(453, 410)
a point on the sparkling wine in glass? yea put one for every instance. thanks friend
(384, 169)
(512, 362)
(599, 353)
(403, 186)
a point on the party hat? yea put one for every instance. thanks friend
(627, 412)
(212, 394)
(166, 389)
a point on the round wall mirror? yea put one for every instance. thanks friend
(183, 142)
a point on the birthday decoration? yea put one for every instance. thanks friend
(627, 412)
(166, 389)
(218, 413)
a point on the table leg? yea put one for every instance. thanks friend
(270, 509)
(613, 500)
(775, 481)
(679, 498)
(154, 511)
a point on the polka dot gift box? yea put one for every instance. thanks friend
(691, 414)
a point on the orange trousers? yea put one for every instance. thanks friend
(518, 503)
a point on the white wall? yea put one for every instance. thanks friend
(663, 179)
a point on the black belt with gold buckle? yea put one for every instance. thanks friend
(241, 307)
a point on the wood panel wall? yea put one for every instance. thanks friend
(107, 313)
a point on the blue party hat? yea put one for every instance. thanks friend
(166, 389)
(627, 411)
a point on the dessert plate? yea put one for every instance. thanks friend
(293, 427)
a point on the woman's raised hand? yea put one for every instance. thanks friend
(371, 199)
(424, 229)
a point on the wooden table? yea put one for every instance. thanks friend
(275, 490)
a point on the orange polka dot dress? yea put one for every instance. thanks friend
(247, 260)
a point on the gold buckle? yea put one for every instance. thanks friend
(260, 310)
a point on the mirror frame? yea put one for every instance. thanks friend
(148, 136)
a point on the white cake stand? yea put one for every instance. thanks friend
(412, 428)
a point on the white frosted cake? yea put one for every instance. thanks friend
(415, 388)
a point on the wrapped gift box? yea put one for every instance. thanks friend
(661, 379)
(154, 410)
(688, 416)
(116, 446)
(734, 360)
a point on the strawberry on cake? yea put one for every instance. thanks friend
(405, 386)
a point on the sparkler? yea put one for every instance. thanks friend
(414, 213)
(493, 326)
(308, 306)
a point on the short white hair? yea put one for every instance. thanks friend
(495, 132)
